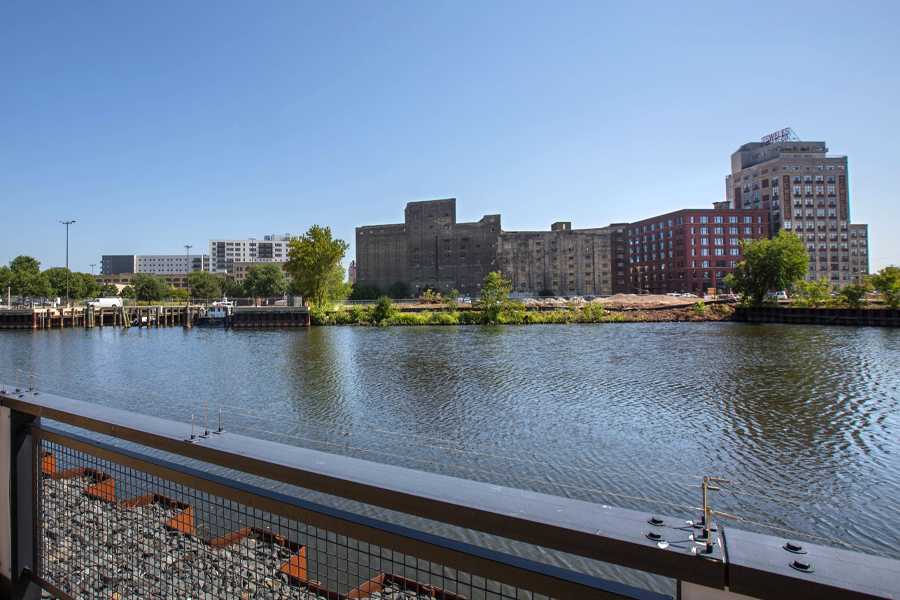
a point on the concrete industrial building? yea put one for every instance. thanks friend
(158, 264)
(431, 249)
(566, 261)
(690, 250)
(225, 254)
(806, 191)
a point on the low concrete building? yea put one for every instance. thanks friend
(120, 280)
(241, 268)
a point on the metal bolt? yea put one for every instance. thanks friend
(656, 521)
(795, 548)
(656, 537)
(802, 566)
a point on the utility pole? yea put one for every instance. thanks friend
(67, 223)
(92, 267)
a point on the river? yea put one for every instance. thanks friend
(621, 414)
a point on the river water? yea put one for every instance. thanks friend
(621, 414)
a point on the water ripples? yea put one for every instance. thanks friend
(568, 410)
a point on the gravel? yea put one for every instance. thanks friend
(93, 549)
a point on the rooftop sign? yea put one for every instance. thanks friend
(785, 135)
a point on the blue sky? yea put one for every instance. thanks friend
(155, 125)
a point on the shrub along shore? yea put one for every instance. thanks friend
(515, 313)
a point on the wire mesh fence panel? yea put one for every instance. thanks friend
(113, 532)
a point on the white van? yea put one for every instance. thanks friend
(113, 302)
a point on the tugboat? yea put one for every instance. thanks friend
(218, 315)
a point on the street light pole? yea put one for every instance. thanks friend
(67, 223)
(187, 268)
(92, 267)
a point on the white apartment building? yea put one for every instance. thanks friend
(225, 253)
(158, 264)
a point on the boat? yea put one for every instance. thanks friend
(217, 315)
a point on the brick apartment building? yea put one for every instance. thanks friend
(690, 250)
(806, 191)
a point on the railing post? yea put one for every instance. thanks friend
(18, 522)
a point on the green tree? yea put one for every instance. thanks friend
(27, 279)
(149, 287)
(229, 288)
(5, 279)
(337, 288)
(813, 293)
(126, 292)
(56, 277)
(851, 295)
(179, 293)
(494, 296)
(887, 281)
(769, 264)
(311, 260)
(266, 280)
(81, 285)
(546, 292)
(88, 288)
(203, 284)
(108, 290)
(451, 300)
(383, 310)
(398, 291)
(364, 291)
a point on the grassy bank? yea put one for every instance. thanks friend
(515, 314)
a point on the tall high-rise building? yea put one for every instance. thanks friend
(805, 191)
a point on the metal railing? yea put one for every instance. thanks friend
(89, 519)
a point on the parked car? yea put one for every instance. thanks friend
(467, 300)
(689, 295)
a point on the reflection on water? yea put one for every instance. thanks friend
(568, 410)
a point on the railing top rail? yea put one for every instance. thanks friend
(576, 527)
(757, 564)
(528, 573)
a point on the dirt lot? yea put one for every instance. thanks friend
(620, 301)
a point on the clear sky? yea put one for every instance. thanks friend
(159, 124)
